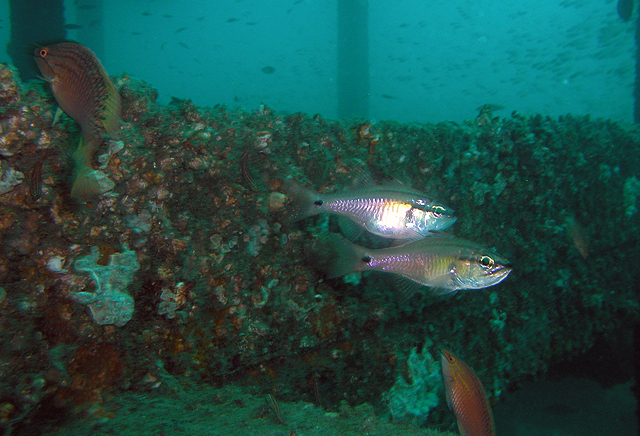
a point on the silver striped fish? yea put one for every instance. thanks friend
(391, 211)
(442, 262)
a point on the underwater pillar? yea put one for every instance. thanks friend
(33, 22)
(636, 88)
(636, 367)
(353, 59)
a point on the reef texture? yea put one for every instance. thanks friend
(226, 292)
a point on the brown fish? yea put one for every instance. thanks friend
(35, 185)
(466, 397)
(83, 91)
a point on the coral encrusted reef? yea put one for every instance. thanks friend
(225, 291)
(111, 303)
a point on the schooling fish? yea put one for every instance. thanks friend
(83, 91)
(442, 262)
(391, 211)
(466, 397)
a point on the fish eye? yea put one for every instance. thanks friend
(366, 259)
(318, 202)
(438, 211)
(44, 52)
(486, 261)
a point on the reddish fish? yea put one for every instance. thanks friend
(466, 397)
(84, 91)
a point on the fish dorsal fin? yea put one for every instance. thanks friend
(362, 178)
(408, 237)
(396, 185)
(111, 111)
(446, 244)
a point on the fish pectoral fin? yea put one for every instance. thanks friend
(443, 284)
(362, 178)
(46, 79)
(57, 116)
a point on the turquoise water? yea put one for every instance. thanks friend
(429, 61)
(517, 117)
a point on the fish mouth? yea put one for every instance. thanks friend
(445, 222)
(501, 272)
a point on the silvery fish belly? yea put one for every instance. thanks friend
(392, 212)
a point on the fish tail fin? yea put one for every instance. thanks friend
(89, 143)
(338, 257)
(303, 201)
(90, 183)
